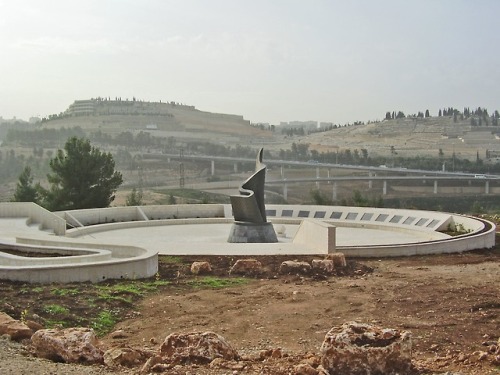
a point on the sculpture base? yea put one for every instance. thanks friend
(243, 232)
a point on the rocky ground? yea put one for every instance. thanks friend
(449, 303)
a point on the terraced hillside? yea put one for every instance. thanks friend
(165, 119)
(412, 137)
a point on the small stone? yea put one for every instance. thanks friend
(16, 329)
(125, 356)
(305, 369)
(338, 259)
(325, 266)
(295, 267)
(276, 353)
(118, 334)
(246, 267)
(201, 268)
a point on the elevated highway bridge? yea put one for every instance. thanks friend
(389, 174)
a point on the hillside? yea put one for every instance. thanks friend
(406, 137)
(412, 137)
(164, 119)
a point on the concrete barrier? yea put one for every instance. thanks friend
(316, 233)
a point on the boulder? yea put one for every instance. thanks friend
(34, 326)
(305, 369)
(246, 267)
(338, 259)
(70, 345)
(270, 353)
(196, 347)
(291, 266)
(363, 349)
(200, 268)
(125, 357)
(16, 329)
(324, 266)
(150, 364)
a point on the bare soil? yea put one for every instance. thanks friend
(450, 304)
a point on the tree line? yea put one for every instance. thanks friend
(478, 116)
(301, 152)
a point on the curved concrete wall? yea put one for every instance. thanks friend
(480, 233)
(79, 261)
(88, 261)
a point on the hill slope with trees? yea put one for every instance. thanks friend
(467, 134)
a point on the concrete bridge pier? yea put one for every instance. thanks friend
(370, 182)
(384, 188)
(334, 191)
(236, 167)
(487, 187)
(285, 191)
(212, 167)
(317, 176)
(435, 187)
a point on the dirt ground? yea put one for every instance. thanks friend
(450, 304)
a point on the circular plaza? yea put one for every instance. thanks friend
(124, 242)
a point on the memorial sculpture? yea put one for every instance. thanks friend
(249, 212)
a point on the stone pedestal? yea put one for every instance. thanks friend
(243, 232)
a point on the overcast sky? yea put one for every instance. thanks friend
(268, 60)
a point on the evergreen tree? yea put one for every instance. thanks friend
(82, 177)
(25, 190)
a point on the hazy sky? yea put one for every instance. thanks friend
(268, 60)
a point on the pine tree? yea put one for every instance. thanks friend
(82, 177)
(25, 190)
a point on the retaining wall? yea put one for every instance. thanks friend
(35, 215)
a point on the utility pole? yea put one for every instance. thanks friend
(453, 161)
(181, 168)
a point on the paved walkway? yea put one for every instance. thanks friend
(211, 239)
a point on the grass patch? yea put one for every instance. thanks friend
(36, 289)
(216, 282)
(109, 296)
(152, 286)
(129, 288)
(170, 259)
(126, 292)
(62, 292)
(53, 323)
(192, 196)
(103, 323)
(56, 309)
